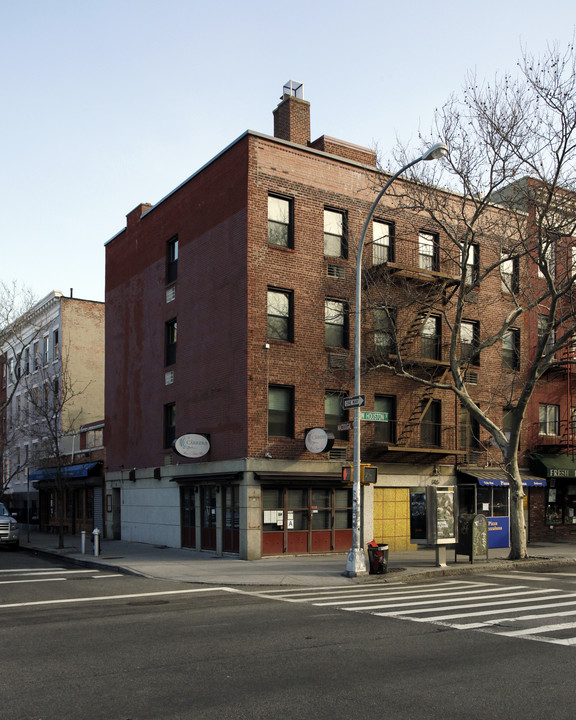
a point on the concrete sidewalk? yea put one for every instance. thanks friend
(191, 566)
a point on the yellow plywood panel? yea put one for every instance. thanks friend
(402, 528)
(388, 529)
(389, 510)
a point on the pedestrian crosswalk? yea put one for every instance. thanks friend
(528, 610)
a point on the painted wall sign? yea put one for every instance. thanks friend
(318, 440)
(191, 445)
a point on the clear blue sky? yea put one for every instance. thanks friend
(109, 103)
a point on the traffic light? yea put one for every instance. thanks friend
(368, 474)
(347, 473)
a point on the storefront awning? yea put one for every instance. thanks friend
(554, 466)
(66, 471)
(497, 478)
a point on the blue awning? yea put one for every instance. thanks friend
(498, 478)
(66, 471)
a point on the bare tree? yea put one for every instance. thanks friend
(506, 224)
(53, 413)
(17, 333)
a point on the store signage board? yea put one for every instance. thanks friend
(191, 445)
(318, 440)
(372, 416)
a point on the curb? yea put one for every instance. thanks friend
(394, 575)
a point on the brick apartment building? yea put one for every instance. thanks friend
(227, 331)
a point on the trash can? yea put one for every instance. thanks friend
(377, 558)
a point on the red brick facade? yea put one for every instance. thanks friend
(225, 360)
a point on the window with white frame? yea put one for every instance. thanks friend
(471, 264)
(428, 258)
(280, 226)
(509, 272)
(546, 334)
(335, 234)
(382, 242)
(280, 411)
(280, 315)
(385, 330)
(511, 349)
(431, 338)
(549, 419)
(172, 259)
(469, 341)
(335, 414)
(336, 323)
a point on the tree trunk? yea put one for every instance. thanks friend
(518, 549)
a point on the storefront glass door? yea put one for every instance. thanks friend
(231, 524)
(303, 520)
(208, 509)
(188, 510)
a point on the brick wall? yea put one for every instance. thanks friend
(208, 213)
(225, 267)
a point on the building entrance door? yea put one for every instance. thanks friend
(116, 514)
(231, 519)
(188, 510)
(208, 509)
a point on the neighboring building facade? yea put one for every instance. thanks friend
(54, 375)
(227, 308)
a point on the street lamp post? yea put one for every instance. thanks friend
(356, 561)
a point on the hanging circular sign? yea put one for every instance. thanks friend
(191, 445)
(318, 440)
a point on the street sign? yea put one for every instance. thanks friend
(372, 416)
(345, 426)
(353, 401)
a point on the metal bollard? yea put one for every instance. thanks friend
(96, 534)
(83, 537)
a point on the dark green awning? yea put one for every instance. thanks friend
(554, 466)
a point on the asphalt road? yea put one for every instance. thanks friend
(94, 645)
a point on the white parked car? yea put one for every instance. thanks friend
(9, 530)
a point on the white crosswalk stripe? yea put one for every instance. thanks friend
(21, 576)
(540, 613)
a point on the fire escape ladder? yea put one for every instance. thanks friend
(413, 332)
(419, 411)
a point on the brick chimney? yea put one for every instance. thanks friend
(133, 217)
(292, 116)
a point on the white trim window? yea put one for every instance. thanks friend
(382, 235)
(549, 419)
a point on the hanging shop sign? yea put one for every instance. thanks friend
(318, 440)
(191, 445)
